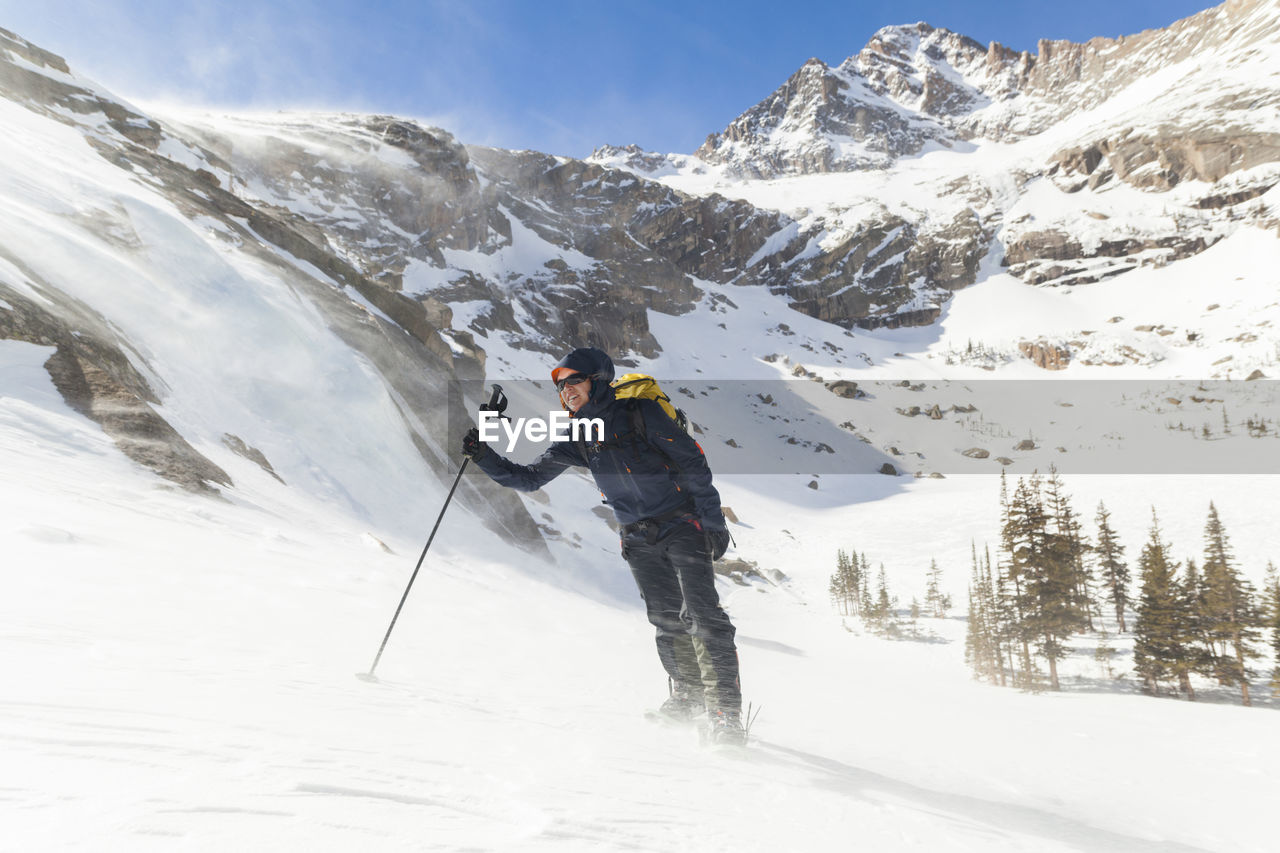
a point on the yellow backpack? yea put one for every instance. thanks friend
(641, 386)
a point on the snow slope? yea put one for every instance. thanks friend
(179, 668)
(181, 671)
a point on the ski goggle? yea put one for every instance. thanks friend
(571, 379)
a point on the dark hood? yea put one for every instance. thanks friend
(596, 364)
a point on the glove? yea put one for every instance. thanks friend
(717, 541)
(472, 447)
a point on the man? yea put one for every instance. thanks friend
(656, 479)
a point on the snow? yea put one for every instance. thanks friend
(526, 251)
(182, 672)
(179, 669)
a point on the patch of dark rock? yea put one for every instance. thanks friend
(844, 388)
(743, 572)
(608, 516)
(237, 446)
(1046, 355)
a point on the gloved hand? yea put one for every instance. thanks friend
(472, 446)
(717, 541)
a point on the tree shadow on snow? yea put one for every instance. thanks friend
(1259, 691)
(969, 813)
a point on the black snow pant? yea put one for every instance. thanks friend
(694, 634)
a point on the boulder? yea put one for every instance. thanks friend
(1046, 355)
(843, 388)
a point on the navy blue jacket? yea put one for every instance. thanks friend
(640, 476)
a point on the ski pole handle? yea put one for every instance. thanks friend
(497, 401)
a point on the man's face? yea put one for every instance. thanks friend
(575, 390)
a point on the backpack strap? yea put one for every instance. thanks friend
(637, 428)
(637, 421)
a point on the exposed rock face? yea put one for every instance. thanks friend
(844, 388)
(100, 373)
(96, 379)
(1046, 355)
(452, 248)
(821, 120)
(462, 224)
(620, 247)
(916, 84)
(886, 272)
(1161, 162)
(253, 454)
(914, 87)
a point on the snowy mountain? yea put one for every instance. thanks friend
(947, 151)
(916, 86)
(237, 352)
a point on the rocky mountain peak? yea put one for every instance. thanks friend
(822, 119)
(13, 45)
(914, 84)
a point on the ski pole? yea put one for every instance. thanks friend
(497, 403)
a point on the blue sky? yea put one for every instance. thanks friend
(561, 77)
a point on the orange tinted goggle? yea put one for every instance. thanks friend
(571, 379)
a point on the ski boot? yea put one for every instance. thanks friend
(724, 728)
(682, 705)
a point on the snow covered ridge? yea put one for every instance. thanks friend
(418, 260)
(917, 85)
(178, 664)
(211, 337)
(1075, 164)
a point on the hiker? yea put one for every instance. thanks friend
(656, 479)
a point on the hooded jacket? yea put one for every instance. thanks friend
(645, 476)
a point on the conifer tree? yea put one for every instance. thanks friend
(981, 634)
(1157, 633)
(854, 583)
(1069, 544)
(975, 637)
(1271, 621)
(883, 603)
(1002, 645)
(937, 602)
(865, 605)
(1044, 559)
(838, 587)
(1190, 631)
(1013, 599)
(844, 586)
(1115, 574)
(1231, 612)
